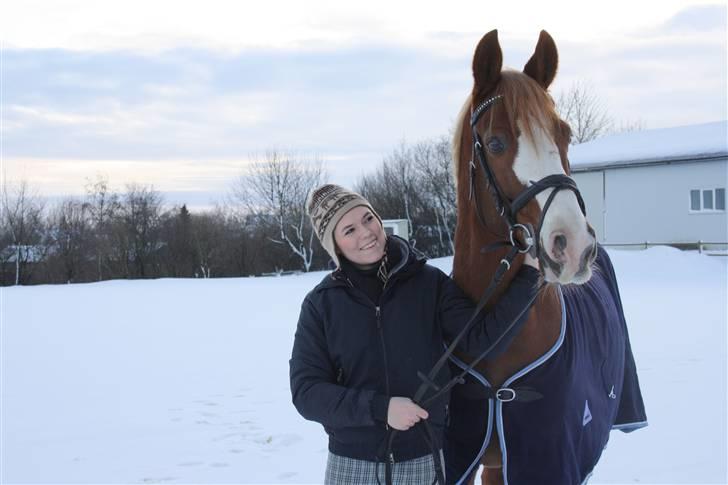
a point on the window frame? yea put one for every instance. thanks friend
(702, 210)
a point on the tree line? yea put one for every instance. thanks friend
(260, 227)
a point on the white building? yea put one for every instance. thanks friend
(658, 186)
(398, 227)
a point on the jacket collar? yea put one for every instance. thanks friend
(410, 260)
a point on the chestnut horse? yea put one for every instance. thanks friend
(524, 142)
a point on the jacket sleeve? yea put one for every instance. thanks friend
(314, 390)
(456, 309)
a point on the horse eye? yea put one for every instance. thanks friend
(495, 145)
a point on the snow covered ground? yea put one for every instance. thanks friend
(186, 381)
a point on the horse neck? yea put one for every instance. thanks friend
(473, 270)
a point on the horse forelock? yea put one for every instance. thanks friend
(528, 109)
(527, 106)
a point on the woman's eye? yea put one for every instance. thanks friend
(495, 145)
(348, 231)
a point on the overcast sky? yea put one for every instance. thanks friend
(183, 94)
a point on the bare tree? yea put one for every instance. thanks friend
(393, 188)
(582, 108)
(70, 233)
(180, 261)
(208, 232)
(22, 220)
(433, 162)
(276, 189)
(140, 222)
(416, 182)
(102, 205)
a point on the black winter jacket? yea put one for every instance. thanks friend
(351, 355)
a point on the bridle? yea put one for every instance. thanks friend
(508, 210)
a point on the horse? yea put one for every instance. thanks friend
(509, 141)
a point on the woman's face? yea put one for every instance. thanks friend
(360, 236)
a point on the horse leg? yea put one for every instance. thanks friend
(492, 464)
(492, 476)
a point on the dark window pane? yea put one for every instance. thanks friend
(694, 200)
(720, 199)
(708, 199)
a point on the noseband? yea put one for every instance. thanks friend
(508, 209)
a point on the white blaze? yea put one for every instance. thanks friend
(535, 160)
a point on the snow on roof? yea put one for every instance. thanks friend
(693, 142)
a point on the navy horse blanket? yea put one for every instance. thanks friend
(589, 386)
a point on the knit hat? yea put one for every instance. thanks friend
(326, 206)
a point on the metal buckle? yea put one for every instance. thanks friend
(509, 398)
(528, 238)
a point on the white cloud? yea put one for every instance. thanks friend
(232, 24)
(176, 117)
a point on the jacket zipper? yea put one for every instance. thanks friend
(378, 312)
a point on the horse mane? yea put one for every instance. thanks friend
(526, 104)
(457, 136)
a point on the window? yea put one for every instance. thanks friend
(707, 200)
(720, 199)
(694, 200)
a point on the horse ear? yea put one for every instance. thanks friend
(487, 62)
(544, 61)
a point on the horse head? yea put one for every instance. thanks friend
(511, 148)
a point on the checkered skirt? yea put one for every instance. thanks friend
(341, 470)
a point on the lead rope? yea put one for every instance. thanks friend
(428, 380)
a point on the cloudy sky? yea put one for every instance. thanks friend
(182, 94)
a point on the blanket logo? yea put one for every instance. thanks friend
(587, 414)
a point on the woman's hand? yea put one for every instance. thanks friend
(402, 413)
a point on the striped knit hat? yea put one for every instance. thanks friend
(326, 206)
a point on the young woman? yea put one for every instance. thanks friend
(366, 331)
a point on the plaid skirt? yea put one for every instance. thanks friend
(341, 470)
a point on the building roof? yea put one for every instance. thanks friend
(707, 141)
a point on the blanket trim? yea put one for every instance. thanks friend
(499, 405)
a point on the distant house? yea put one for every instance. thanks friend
(657, 186)
(398, 227)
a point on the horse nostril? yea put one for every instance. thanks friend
(559, 245)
